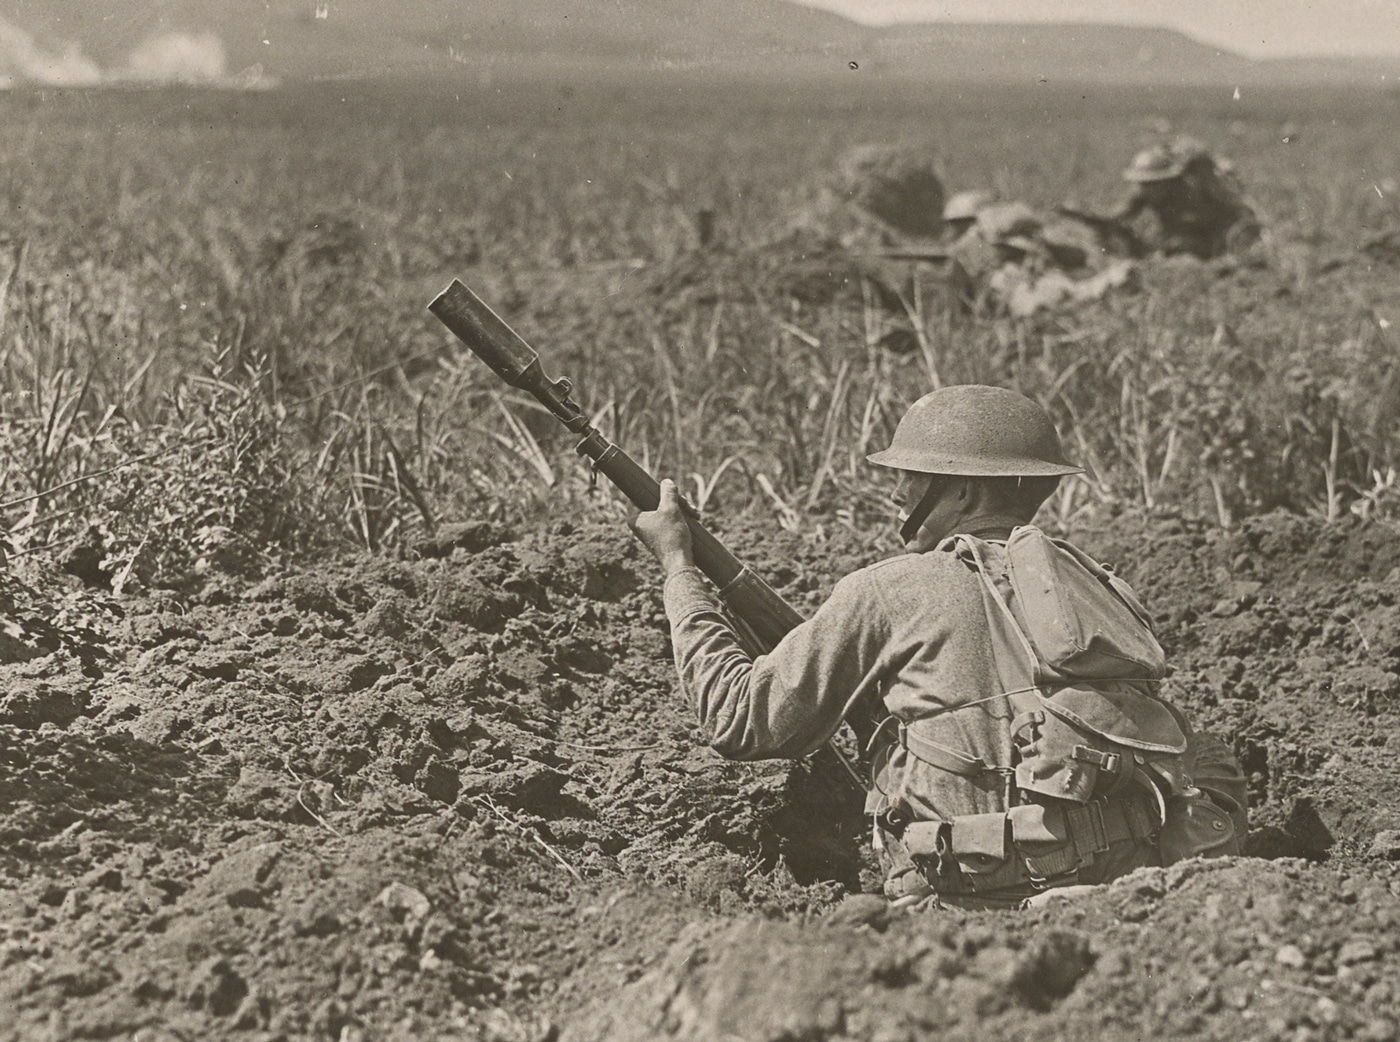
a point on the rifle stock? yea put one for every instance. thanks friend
(761, 615)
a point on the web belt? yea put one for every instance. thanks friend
(1091, 828)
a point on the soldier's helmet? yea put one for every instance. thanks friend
(965, 206)
(1158, 163)
(977, 431)
(1186, 149)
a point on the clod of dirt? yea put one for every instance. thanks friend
(529, 786)
(29, 703)
(470, 537)
(408, 905)
(217, 987)
(463, 682)
(1386, 844)
(260, 793)
(242, 878)
(84, 558)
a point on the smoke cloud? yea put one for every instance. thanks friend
(22, 60)
(177, 58)
(173, 57)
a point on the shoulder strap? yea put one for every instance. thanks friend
(1007, 633)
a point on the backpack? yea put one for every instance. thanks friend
(1081, 666)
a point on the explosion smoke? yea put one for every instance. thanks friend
(177, 58)
(172, 57)
(22, 60)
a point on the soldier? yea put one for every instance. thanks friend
(997, 244)
(1196, 206)
(899, 188)
(995, 773)
(960, 214)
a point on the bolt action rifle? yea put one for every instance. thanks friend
(761, 617)
(931, 252)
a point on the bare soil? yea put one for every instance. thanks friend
(457, 796)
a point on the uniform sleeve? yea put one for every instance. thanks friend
(790, 701)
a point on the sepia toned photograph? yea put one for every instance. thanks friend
(699, 520)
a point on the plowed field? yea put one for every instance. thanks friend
(458, 796)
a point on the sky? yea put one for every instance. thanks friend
(1255, 28)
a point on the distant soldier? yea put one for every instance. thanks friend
(898, 187)
(988, 237)
(1021, 260)
(1196, 206)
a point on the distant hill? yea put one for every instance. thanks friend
(293, 39)
(1057, 53)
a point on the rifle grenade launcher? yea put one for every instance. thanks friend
(760, 615)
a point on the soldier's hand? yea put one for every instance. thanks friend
(664, 532)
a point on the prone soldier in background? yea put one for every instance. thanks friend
(1005, 688)
(1196, 206)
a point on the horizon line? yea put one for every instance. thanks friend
(838, 9)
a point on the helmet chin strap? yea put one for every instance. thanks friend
(921, 510)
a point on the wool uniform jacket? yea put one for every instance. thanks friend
(907, 637)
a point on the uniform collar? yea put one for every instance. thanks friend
(989, 526)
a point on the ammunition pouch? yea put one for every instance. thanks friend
(1028, 848)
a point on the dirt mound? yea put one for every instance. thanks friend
(457, 796)
(1203, 949)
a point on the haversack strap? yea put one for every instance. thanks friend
(967, 765)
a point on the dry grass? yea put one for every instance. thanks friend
(222, 297)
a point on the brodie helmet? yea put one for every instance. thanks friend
(977, 431)
(1158, 163)
(972, 430)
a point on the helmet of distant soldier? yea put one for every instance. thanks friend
(1158, 163)
(977, 431)
(1186, 148)
(964, 206)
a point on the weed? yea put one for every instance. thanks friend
(218, 356)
